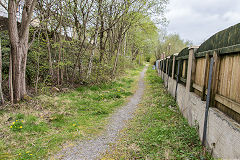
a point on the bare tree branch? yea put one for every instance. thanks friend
(3, 5)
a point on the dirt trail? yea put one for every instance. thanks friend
(92, 149)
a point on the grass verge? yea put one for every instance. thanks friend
(158, 130)
(36, 129)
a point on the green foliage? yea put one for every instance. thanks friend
(5, 52)
(48, 122)
(143, 38)
(147, 58)
(171, 44)
(17, 125)
(71, 56)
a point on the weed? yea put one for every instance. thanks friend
(20, 116)
(42, 126)
(158, 130)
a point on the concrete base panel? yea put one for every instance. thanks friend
(223, 133)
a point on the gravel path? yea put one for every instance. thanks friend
(92, 149)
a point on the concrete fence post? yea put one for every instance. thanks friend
(173, 66)
(163, 65)
(191, 68)
(167, 61)
(160, 67)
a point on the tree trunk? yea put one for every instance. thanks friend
(60, 47)
(19, 45)
(92, 51)
(101, 43)
(1, 93)
(10, 79)
(62, 66)
(59, 61)
(116, 59)
(124, 48)
(37, 78)
(38, 65)
(49, 56)
(16, 52)
(90, 62)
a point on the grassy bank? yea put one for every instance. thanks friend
(158, 130)
(36, 129)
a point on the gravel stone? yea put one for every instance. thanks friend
(94, 148)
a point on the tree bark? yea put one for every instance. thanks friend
(117, 56)
(38, 65)
(94, 44)
(101, 43)
(1, 93)
(92, 55)
(10, 79)
(59, 59)
(60, 46)
(19, 45)
(49, 55)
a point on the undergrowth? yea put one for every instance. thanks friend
(37, 129)
(158, 130)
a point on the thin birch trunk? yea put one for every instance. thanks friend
(91, 57)
(93, 52)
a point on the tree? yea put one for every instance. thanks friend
(19, 37)
(171, 44)
(87, 41)
(1, 93)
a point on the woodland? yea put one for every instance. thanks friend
(56, 44)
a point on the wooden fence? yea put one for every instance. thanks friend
(194, 68)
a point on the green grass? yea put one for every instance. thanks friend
(158, 130)
(38, 129)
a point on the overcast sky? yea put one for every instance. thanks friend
(197, 20)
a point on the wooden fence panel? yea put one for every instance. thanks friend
(199, 77)
(229, 77)
(225, 92)
(184, 74)
(229, 86)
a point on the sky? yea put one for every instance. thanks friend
(197, 20)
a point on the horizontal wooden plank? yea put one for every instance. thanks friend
(183, 57)
(224, 50)
(228, 103)
(230, 49)
(201, 54)
(197, 87)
